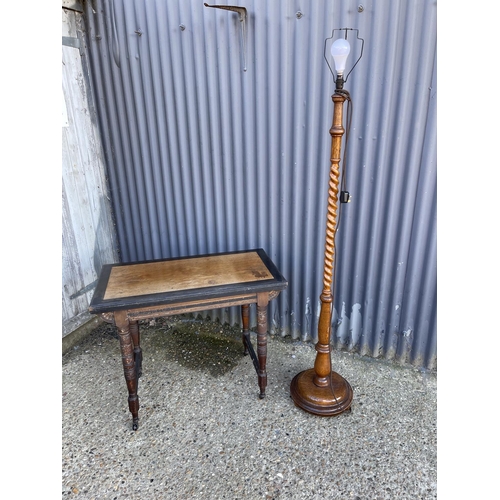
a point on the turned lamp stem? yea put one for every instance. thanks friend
(322, 363)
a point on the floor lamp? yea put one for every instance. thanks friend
(320, 390)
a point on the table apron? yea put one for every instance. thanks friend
(191, 306)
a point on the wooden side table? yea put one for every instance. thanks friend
(127, 293)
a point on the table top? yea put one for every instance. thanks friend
(168, 281)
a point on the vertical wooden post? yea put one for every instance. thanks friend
(136, 339)
(128, 360)
(245, 318)
(262, 302)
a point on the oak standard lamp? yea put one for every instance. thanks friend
(320, 390)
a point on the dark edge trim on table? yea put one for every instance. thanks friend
(98, 305)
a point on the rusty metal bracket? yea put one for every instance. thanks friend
(242, 13)
(92, 285)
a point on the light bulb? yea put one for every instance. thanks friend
(340, 50)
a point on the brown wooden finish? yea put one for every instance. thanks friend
(245, 320)
(192, 306)
(320, 390)
(127, 349)
(185, 280)
(127, 293)
(182, 275)
(262, 301)
(134, 332)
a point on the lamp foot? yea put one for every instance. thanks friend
(321, 400)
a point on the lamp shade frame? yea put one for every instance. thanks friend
(327, 49)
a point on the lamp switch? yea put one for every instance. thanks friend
(345, 197)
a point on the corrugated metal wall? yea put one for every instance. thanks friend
(216, 133)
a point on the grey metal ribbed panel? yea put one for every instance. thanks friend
(218, 142)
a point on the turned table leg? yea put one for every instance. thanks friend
(245, 318)
(129, 368)
(262, 302)
(136, 339)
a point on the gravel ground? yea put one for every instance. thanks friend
(204, 433)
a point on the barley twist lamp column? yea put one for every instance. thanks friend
(320, 390)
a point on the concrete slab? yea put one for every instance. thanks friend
(205, 434)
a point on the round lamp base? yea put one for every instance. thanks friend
(327, 401)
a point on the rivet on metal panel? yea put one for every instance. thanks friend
(299, 14)
(182, 27)
(360, 8)
(138, 31)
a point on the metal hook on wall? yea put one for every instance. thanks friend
(242, 13)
